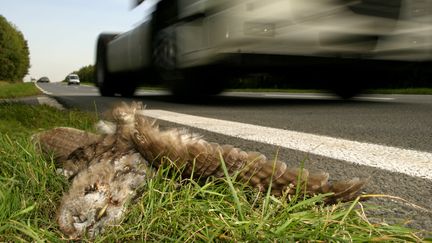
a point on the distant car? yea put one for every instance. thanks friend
(73, 79)
(43, 80)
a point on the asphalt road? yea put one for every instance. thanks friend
(396, 127)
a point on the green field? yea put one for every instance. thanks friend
(16, 90)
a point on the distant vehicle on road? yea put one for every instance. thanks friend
(194, 45)
(43, 80)
(73, 79)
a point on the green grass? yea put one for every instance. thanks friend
(16, 90)
(170, 208)
(29, 187)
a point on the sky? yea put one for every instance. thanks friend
(62, 34)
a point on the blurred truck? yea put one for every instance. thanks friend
(192, 46)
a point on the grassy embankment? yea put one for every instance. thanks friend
(217, 210)
(16, 90)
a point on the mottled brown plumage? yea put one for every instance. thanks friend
(107, 169)
(62, 141)
(203, 159)
(105, 173)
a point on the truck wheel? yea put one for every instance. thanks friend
(165, 54)
(165, 62)
(103, 78)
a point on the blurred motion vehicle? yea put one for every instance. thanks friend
(192, 46)
(43, 80)
(73, 79)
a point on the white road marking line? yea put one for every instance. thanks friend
(409, 162)
(42, 90)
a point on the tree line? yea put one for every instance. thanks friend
(14, 52)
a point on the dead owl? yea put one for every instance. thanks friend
(107, 168)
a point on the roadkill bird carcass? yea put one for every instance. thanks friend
(107, 168)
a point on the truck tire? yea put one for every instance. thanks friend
(165, 62)
(105, 80)
(165, 54)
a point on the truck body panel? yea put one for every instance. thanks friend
(211, 32)
(131, 50)
(294, 27)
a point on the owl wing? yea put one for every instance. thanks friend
(203, 159)
(62, 141)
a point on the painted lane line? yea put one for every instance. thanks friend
(42, 90)
(410, 162)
